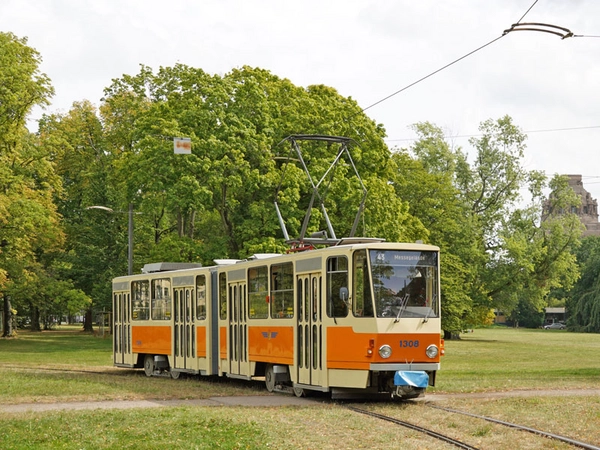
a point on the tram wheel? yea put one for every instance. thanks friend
(149, 365)
(175, 374)
(270, 378)
(299, 392)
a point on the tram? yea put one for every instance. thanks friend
(358, 318)
(351, 316)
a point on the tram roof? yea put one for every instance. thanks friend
(348, 243)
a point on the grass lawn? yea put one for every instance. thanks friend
(497, 359)
(69, 365)
(66, 345)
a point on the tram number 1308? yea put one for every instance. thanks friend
(409, 344)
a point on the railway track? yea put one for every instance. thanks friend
(545, 434)
(464, 445)
(412, 426)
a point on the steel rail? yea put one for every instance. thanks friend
(428, 432)
(557, 437)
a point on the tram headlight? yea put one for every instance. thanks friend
(432, 351)
(385, 351)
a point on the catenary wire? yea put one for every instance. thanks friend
(431, 74)
(444, 67)
(461, 136)
(527, 12)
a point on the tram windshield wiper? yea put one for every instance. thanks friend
(401, 307)
(426, 318)
(430, 310)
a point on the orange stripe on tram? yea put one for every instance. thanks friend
(151, 339)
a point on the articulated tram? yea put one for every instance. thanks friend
(359, 317)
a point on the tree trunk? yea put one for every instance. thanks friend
(35, 319)
(88, 324)
(6, 318)
(180, 224)
(192, 224)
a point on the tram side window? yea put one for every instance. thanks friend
(201, 297)
(223, 295)
(258, 292)
(337, 286)
(161, 299)
(282, 290)
(362, 305)
(140, 292)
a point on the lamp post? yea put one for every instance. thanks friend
(129, 233)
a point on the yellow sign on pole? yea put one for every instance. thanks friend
(182, 146)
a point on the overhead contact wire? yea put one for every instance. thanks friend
(432, 73)
(446, 66)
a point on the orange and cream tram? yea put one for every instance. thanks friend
(360, 317)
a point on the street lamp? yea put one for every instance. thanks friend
(129, 233)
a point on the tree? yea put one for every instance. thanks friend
(225, 189)
(525, 256)
(31, 235)
(583, 301)
(27, 217)
(426, 178)
(497, 253)
(96, 241)
(22, 87)
(538, 250)
(527, 315)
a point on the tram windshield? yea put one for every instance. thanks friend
(405, 283)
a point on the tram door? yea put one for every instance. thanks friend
(309, 343)
(122, 328)
(184, 329)
(238, 329)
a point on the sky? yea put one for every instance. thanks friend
(367, 50)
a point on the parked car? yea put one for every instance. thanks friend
(555, 326)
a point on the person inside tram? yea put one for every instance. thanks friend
(418, 293)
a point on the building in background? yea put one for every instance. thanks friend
(555, 315)
(587, 211)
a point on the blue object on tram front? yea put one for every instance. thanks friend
(414, 378)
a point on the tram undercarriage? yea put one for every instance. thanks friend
(401, 385)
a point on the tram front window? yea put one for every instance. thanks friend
(405, 283)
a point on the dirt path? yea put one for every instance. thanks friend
(256, 400)
(268, 401)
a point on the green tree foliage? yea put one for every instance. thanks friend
(225, 189)
(527, 315)
(526, 256)
(22, 87)
(426, 178)
(30, 231)
(583, 302)
(218, 201)
(96, 240)
(497, 252)
(539, 253)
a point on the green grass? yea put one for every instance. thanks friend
(316, 427)
(69, 365)
(506, 358)
(63, 346)
(36, 367)
(486, 360)
(151, 429)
